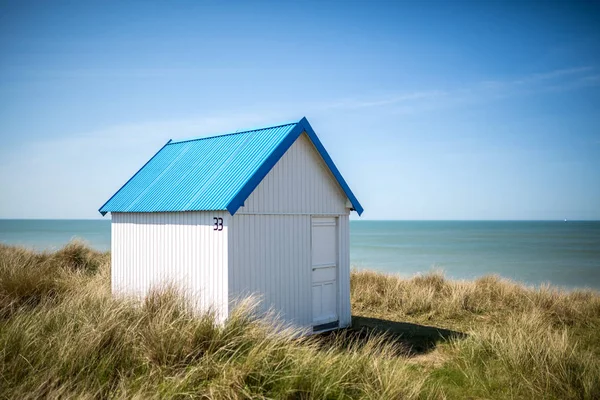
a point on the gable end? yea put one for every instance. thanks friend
(265, 168)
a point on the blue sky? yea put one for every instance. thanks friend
(431, 110)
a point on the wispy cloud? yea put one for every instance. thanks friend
(559, 73)
(394, 99)
(477, 92)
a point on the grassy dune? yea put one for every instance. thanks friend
(63, 335)
(515, 342)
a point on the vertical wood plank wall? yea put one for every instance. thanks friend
(344, 271)
(153, 249)
(270, 236)
(271, 260)
(300, 183)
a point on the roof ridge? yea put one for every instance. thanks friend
(232, 133)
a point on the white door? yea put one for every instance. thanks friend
(324, 270)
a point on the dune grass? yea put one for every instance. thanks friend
(63, 335)
(520, 342)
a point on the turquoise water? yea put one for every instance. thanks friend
(50, 234)
(534, 252)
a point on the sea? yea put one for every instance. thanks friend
(562, 253)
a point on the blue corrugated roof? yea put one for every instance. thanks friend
(214, 173)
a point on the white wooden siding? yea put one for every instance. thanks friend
(270, 237)
(344, 270)
(300, 183)
(270, 259)
(153, 249)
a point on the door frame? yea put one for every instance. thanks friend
(335, 324)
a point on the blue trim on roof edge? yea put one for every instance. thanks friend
(138, 171)
(241, 196)
(336, 173)
(302, 126)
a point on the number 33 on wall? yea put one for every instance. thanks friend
(218, 224)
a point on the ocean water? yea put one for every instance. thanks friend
(51, 234)
(534, 252)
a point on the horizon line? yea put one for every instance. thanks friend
(352, 220)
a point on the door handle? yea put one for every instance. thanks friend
(324, 266)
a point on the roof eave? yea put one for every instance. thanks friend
(102, 209)
(301, 126)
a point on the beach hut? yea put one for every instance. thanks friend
(262, 212)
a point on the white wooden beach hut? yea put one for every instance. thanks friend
(261, 212)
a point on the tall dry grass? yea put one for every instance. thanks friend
(63, 335)
(433, 297)
(530, 356)
(521, 342)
